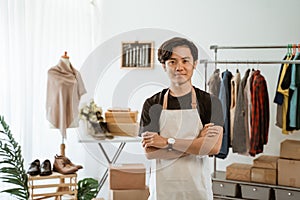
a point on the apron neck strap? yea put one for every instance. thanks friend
(193, 104)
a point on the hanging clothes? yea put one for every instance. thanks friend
(294, 106)
(260, 115)
(240, 139)
(64, 89)
(278, 99)
(234, 84)
(248, 104)
(214, 83)
(283, 88)
(225, 97)
(297, 84)
(285, 85)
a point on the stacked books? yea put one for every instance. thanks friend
(122, 121)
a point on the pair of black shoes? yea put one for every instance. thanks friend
(43, 169)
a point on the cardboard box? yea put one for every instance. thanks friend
(288, 172)
(239, 171)
(263, 175)
(127, 176)
(119, 109)
(266, 161)
(121, 117)
(290, 149)
(142, 194)
(123, 129)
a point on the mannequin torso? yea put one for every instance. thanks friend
(66, 61)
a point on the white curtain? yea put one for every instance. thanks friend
(33, 36)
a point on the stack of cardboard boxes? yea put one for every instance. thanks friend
(264, 169)
(289, 163)
(122, 122)
(275, 170)
(128, 181)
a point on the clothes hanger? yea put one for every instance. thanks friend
(294, 49)
(226, 66)
(253, 69)
(237, 69)
(258, 66)
(289, 50)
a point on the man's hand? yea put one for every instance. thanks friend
(209, 130)
(152, 139)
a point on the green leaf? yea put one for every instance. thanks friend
(10, 170)
(12, 181)
(87, 189)
(17, 192)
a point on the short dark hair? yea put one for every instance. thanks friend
(166, 49)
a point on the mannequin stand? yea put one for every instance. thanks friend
(62, 149)
(62, 180)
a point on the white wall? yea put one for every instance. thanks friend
(232, 22)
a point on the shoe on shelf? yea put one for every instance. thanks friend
(61, 165)
(34, 168)
(46, 168)
(68, 161)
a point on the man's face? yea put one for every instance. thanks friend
(180, 65)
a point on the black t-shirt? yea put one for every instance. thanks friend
(209, 108)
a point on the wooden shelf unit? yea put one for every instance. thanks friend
(36, 184)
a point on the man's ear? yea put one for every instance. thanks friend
(195, 64)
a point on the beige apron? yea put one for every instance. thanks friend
(185, 178)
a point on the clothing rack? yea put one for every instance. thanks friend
(250, 61)
(290, 48)
(206, 62)
(216, 47)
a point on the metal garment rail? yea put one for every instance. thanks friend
(289, 47)
(216, 47)
(206, 62)
(250, 61)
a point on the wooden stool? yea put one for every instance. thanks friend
(40, 186)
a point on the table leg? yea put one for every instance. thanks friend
(114, 159)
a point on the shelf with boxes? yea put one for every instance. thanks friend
(42, 187)
(232, 189)
(269, 177)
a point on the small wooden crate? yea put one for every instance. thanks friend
(56, 185)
